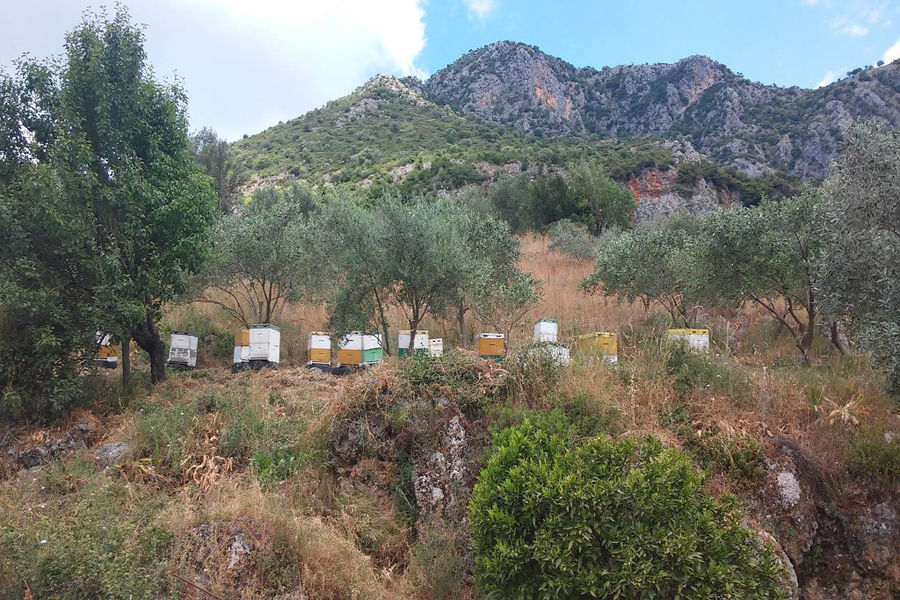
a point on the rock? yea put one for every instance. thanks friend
(723, 114)
(440, 483)
(110, 454)
(78, 436)
(789, 488)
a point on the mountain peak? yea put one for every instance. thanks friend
(752, 126)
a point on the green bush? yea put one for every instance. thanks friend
(608, 519)
(275, 467)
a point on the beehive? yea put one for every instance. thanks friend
(360, 349)
(696, 339)
(372, 349)
(107, 352)
(183, 350)
(598, 343)
(420, 345)
(545, 330)
(550, 351)
(318, 349)
(241, 357)
(265, 344)
(436, 347)
(491, 345)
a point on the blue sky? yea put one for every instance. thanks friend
(786, 42)
(247, 64)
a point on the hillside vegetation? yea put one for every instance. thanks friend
(760, 462)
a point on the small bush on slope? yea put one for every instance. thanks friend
(606, 518)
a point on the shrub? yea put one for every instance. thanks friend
(572, 239)
(625, 519)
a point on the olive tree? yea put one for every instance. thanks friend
(652, 264)
(766, 254)
(269, 254)
(493, 253)
(362, 283)
(426, 255)
(505, 303)
(860, 267)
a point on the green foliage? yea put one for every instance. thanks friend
(573, 239)
(875, 452)
(606, 518)
(860, 268)
(588, 197)
(272, 468)
(503, 304)
(214, 156)
(652, 263)
(765, 254)
(113, 148)
(269, 254)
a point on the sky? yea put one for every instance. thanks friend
(246, 65)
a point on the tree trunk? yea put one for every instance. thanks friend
(126, 361)
(147, 337)
(412, 338)
(461, 320)
(838, 338)
(807, 338)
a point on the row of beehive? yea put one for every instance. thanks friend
(259, 346)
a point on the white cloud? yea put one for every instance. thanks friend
(480, 9)
(247, 65)
(855, 30)
(892, 53)
(830, 77)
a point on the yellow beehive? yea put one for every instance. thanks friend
(318, 348)
(599, 342)
(491, 344)
(242, 338)
(107, 352)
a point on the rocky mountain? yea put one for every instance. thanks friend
(756, 128)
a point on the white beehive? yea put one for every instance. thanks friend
(696, 339)
(436, 347)
(265, 343)
(420, 344)
(183, 349)
(545, 330)
(551, 351)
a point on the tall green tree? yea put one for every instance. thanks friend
(860, 269)
(504, 304)
(116, 143)
(427, 255)
(152, 207)
(651, 264)
(600, 203)
(213, 154)
(362, 290)
(493, 254)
